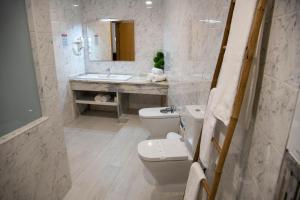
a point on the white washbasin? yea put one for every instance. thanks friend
(112, 77)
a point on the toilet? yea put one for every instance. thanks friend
(159, 123)
(169, 160)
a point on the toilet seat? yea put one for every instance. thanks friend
(154, 113)
(174, 136)
(162, 150)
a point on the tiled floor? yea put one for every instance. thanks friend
(104, 162)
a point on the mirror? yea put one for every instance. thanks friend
(111, 40)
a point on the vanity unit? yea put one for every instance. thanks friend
(86, 87)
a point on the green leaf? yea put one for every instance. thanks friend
(160, 54)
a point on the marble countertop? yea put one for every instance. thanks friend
(135, 80)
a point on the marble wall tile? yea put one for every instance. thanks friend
(276, 103)
(29, 15)
(66, 19)
(264, 164)
(282, 7)
(44, 44)
(297, 33)
(41, 8)
(281, 57)
(188, 93)
(148, 32)
(34, 163)
(250, 189)
(192, 46)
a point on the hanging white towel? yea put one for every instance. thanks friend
(233, 58)
(208, 130)
(247, 108)
(196, 175)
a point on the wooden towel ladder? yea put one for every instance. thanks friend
(246, 67)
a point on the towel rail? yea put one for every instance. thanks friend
(219, 63)
(223, 45)
(216, 145)
(205, 185)
(246, 67)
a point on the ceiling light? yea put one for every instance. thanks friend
(148, 2)
(109, 20)
(210, 21)
(75, 3)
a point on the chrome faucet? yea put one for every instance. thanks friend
(108, 72)
(171, 109)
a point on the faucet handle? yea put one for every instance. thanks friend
(108, 71)
(173, 108)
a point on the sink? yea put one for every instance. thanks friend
(112, 77)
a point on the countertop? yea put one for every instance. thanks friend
(135, 80)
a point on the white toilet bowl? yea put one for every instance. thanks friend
(158, 123)
(169, 160)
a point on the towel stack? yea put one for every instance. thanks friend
(102, 97)
(157, 75)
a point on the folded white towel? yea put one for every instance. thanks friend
(208, 130)
(159, 78)
(156, 78)
(102, 98)
(150, 76)
(196, 175)
(157, 71)
(231, 68)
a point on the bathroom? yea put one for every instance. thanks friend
(60, 140)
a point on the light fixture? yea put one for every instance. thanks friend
(109, 20)
(148, 3)
(210, 21)
(75, 3)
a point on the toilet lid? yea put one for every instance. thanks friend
(154, 113)
(162, 150)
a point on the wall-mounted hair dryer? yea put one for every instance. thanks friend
(78, 46)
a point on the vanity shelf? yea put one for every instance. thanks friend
(96, 103)
(84, 91)
(88, 98)
(91, 101)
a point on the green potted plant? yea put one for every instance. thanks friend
(159, 61)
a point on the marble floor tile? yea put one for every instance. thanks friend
(104, 161)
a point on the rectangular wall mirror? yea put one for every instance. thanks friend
(111, 40)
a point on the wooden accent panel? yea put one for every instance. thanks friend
(125, 41)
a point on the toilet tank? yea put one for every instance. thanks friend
(192, 120)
